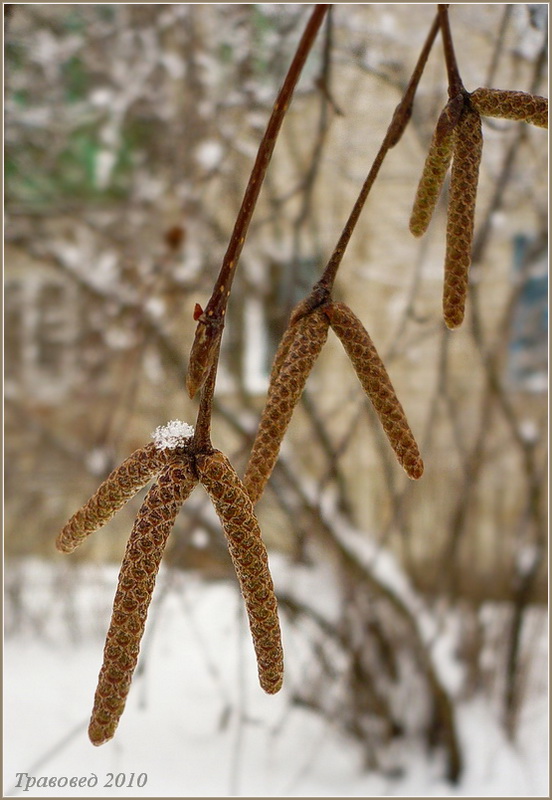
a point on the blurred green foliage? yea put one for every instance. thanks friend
(56, 164)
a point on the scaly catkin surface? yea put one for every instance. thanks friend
(117, 489)
(511, 105)
(433, 175)
(377, 384)
(130, 606)
(303, 308)
(250, 560)
(468, 145)
(302, 344)
(283, 348)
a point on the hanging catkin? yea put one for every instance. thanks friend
(376, 383)
(130, 606)
(433, 175)
(511, 105)
(460, 218)
(283, 348)
(300, 348)
(250, 560)
(117, 489)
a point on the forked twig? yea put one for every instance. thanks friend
(307, 331)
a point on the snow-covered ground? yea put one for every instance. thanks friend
(196, 722)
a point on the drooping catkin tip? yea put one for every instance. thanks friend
(415, 470)
(248, 553)
(377, 384)
(117, 489)
(415, 228)
(98, 734)
(135, 587)
(453, 318)
(435, 169)
(62, 544)
(507, 104)
(272, 686)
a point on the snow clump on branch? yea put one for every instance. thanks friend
(172, 435)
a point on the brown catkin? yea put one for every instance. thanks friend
(511, 105)
(433, 175)
(303, 308)
(250, 560)
(300, 348)
(377, 384)
(283, 348)
(117, 489)
(136, 583)
(468, 145)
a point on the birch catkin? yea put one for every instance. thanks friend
(461, 212)
(250, 560)
(303, 343)
(117, 489)
(377, 384)
(433, 175)
(506, 104)
(136, 583)
(283, 348)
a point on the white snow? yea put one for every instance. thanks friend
(171, 435)
(209, 154)
(156, 307)
(97, 460)
(174, 65)
(529, 431)
(527, 557)
(255, 375)
(196, 722)
(105, 164)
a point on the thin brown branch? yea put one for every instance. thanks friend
(455, 81)
(211, 321)
(395, 130)
(202, 434)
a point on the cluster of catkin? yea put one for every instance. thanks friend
(177, 467)
(458, 138)
(295, 357)
(178, 470)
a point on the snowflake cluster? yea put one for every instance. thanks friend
(172, 435)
